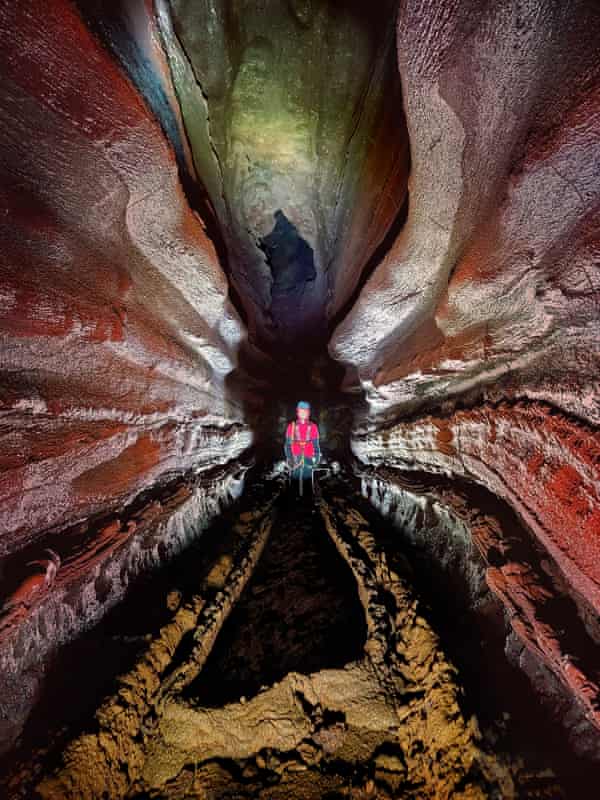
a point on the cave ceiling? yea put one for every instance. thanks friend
(296, 127)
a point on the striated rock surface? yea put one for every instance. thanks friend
(391, 209)
(476, 338)
(115, 320)
(116, 338)
(546, 466)
(495, 271)
(46, 606)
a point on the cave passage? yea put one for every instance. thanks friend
(329, 623)
(299, 613)
(210, 210)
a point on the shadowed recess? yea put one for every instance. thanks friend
(299, 613)
(289, 256)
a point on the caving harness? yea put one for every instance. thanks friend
(301, 442)
(298, 462)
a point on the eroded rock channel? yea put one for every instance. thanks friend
(299, 613)
(292, 657)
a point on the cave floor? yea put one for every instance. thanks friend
(299, 613)
(290, 658)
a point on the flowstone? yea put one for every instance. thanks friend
(388, 723)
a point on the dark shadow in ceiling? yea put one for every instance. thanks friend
(289, 256)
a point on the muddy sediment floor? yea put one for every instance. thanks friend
(287, 655)
(299, 613)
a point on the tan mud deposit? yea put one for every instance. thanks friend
(388, 724)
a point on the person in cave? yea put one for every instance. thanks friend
(302, 449)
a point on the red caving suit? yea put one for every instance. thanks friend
(302, 447)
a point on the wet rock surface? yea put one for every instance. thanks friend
(112, 359)
(475, 339)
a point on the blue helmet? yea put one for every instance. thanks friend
(303, 404)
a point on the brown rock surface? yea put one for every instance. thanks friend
(396, 711)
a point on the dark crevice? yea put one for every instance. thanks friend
(299, 613)
(289, 257)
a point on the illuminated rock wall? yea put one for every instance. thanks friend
(485, 309)
(293, 108)
(116, 338)
(190, 190)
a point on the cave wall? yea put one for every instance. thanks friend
(493, 281)
(99, 564)
(295, 121)
(476, 339)
(544, 466)
(506, 613)
(117, 330)
(116, 339)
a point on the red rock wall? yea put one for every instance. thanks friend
(115, 323)
(116, 338)
(494, 278)
(547, 467)
(488, 298)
